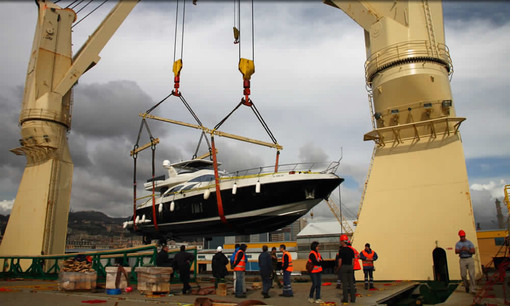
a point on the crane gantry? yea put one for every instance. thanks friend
(417, 195)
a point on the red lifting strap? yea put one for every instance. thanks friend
(217, 181)
(154, 206)
(276, 164)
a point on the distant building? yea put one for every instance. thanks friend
(288, 233)
(327, 233)
(491, 243)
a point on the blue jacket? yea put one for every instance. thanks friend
(265, 264)
(233, 256)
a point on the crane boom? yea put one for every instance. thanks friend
(336, 212)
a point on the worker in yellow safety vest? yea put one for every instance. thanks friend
(240, 270)
(287, 270)
(368, 256)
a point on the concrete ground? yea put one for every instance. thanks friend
(37, 292)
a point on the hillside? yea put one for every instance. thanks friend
(86, 223)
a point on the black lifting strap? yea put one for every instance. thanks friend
(157, 104)
(200, 142)
(225, 119)
(257, 114)
(266, 127)
(199, 123)
(188, 107)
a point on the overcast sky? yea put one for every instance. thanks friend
(309, 86)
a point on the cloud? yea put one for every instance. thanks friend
(312, 153)
(309, 87)
(495, 189)
(494, 12)
(6, 206)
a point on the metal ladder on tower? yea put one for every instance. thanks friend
(430, 28)
(374, 126)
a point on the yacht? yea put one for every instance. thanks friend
(185, 203)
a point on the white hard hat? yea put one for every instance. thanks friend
(219, 249)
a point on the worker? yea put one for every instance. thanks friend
(233, 256)
(162, 259)
(182, 262)
(315, 258)
(337, 270)
(368, 256)
(287, 270)
(232, 259)
(274, 276)
(265, 269)
(239, 271)
(345, 263)
(219, 266)
(356, 266)
(466, 249)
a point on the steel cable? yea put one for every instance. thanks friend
(97, 7)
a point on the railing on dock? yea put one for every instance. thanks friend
(49, 266)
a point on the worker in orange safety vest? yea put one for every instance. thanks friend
(316, 274)
(368, 256)
(240, 270)
(287, 269)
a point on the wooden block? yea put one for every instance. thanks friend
(160, 287)
(256, 285)
(222, 289)
(153, 279)
(111, 277)
(77, 280)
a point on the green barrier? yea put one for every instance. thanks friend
(48, 266)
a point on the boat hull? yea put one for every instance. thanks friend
(276, 205)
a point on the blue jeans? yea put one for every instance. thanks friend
(239, 290)
(287, 288)
(316, 285)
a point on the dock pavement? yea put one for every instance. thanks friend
(43, 292)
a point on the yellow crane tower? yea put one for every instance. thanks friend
(417, 195)
(38, 221)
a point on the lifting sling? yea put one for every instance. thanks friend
(152, 145)
(177, 67)
(247, 69)
(134, 153)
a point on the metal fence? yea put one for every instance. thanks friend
(49, 266)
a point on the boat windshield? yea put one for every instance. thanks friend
(203, 178)
(175, 189)
(188, 187)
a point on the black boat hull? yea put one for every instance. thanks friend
(277, 205)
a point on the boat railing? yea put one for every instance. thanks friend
(317, 167)
(311, 167)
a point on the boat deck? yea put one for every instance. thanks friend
(26, 292)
